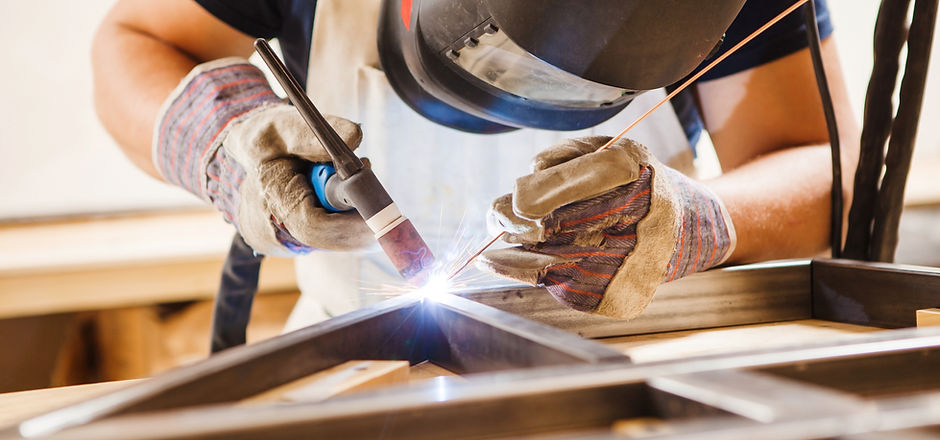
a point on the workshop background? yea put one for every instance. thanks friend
(108, 274)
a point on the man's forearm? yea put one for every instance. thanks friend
(770, 135)
(141, 52)
(780, 202)
(133, 75)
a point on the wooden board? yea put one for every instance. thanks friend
(640, 427)
(142, 341)
(15, 407)
(927, 317)
(685, 344)
(428, 370)
(96, 264)
(346, 377)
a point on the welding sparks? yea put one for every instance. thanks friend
(437, 286)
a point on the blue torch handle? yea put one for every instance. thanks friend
(319, 176)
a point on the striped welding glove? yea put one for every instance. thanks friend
(224, 136)
(602, 229)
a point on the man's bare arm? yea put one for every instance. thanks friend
(770, 134)
(140, 53)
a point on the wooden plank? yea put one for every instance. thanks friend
(127, 343)
(96, 242)
(127, 285)
(36, 350)
(21, 405)
(756, 396)
(429, 370)
(640, 427)
(874, 294)
(142, 341)
(727, 340)
(343, 378)
(927, 317)
(767, 292)
(119, 262)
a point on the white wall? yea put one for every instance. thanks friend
(56, 159)
(854, 22)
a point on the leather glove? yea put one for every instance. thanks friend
(224, 136)
(602, 229)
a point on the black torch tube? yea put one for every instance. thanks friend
(344, 160)
(812, 34)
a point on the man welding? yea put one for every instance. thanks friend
(454, 101)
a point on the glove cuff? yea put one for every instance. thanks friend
(196, 116)
(706, 236)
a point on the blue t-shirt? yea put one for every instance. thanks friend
(291, 22)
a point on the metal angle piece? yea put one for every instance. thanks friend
(466, 336)
(751, 294)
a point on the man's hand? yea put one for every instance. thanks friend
(224, 136)
(602, 229)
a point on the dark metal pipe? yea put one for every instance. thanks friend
(890, 201)
(890, 33)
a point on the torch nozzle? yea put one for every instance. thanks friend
(408, 251)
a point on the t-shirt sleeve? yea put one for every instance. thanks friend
(290, 21)
(782, 39)
(260, 19)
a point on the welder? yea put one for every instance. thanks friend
(452, 100)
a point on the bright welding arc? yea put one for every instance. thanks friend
(675, 92)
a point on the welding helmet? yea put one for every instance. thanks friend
(490, 66)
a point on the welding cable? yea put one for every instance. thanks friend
(815, 49)
(235, 296)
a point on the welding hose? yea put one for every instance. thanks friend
(815, 49)
(240, 273)
(235, 296)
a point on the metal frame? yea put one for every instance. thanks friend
(458, 334)
(578, 384)
(876, 294)
(848, 291)
(790, 393)
(751, 294)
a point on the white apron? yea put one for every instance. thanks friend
(442, 179)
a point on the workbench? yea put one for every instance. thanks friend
(135, 290)
(121, 261)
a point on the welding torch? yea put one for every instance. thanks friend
(349, 184)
